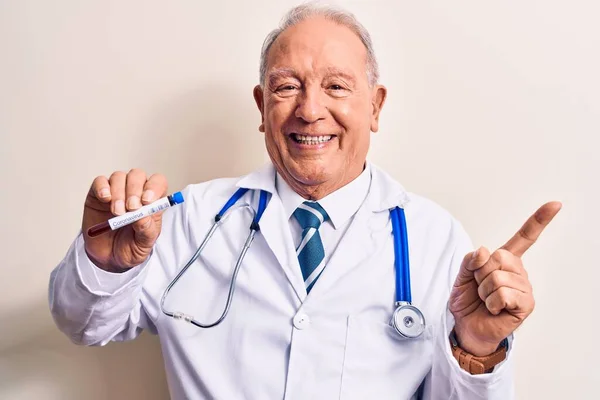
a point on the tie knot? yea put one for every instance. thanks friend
(310, 214)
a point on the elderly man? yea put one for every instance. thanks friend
(311, 315)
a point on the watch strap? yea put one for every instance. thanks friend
(477, 365)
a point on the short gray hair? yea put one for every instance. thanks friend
(337, 15)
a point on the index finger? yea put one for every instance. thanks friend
(531, 230)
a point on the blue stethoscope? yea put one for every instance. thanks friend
(407, 320)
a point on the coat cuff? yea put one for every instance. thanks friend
(100, 282)
(501, 371)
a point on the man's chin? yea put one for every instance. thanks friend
(311, 173)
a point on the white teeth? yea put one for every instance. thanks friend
(305, 139)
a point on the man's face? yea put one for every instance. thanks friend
(317, 107)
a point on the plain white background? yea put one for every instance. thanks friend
(493, 109)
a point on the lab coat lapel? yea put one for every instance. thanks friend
(359, 242)
(274, 227)
(354, 248)
(276, 231)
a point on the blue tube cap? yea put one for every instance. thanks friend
(177, 197)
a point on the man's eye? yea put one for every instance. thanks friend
(336, 87)
(286, 88)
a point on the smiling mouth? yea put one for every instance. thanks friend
(308, 139)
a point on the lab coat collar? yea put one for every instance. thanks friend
(260, 179)
(385, 192)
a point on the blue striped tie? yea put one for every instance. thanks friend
(311, 255)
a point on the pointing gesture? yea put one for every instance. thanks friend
(492, 294)
(531, 230)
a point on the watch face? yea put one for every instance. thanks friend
(408, 321)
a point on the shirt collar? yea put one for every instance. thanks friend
(339, 205)
(384, 191)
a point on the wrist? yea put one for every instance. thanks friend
(102, 265)
(477, 364)
(472, 345)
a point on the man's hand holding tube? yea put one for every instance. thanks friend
(492, 294)
(119, 250)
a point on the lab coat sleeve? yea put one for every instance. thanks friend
(447, 380)
(92, 306)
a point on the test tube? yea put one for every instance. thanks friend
(132, 216)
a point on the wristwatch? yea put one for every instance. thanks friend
(477, 365)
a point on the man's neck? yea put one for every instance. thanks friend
(317, 192)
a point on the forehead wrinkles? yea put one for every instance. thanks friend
(332, 46)
(276, 74)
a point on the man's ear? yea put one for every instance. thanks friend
(377, 102)
(260, 103)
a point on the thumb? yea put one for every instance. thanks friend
(471, 263)
(146, 231)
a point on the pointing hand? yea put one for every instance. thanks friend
(492, 295)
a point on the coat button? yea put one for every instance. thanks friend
(301, 321)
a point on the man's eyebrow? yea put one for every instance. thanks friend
(342, 73)
(278, 73)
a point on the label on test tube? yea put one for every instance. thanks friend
(126, 219)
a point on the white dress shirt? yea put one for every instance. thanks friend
(340, 206)
(277, 341)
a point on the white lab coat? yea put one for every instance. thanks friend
(277, 342)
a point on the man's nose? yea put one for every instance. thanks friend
(311, 105)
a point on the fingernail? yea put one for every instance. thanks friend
(148, 195)
(104, 193)
(119, 207)
(475, 253)
(133, 203)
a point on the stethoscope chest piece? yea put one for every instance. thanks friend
(408, 321)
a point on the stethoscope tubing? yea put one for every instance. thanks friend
(401, 258)
(402, 263)
(219, 220)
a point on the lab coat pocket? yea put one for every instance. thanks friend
(379, 364)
